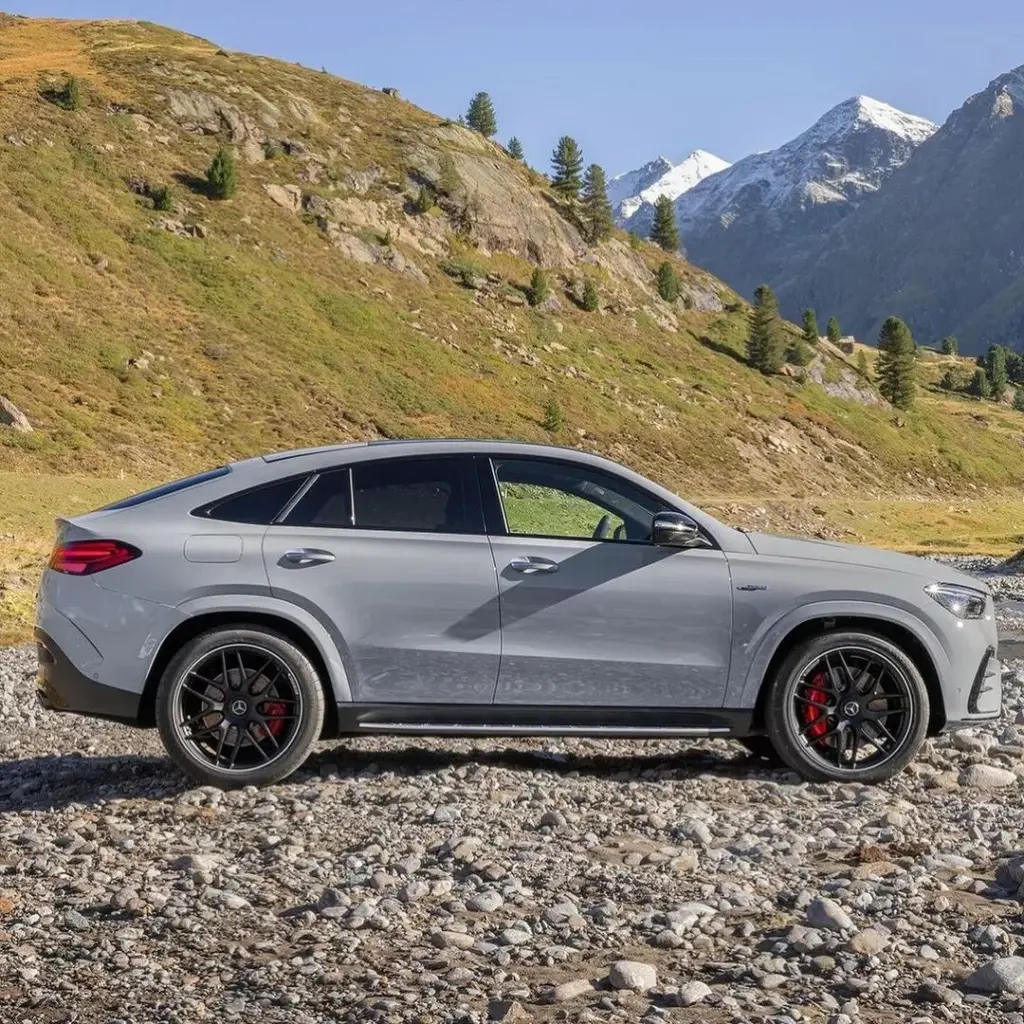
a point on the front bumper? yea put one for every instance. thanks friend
(985, 697)
(62, 687)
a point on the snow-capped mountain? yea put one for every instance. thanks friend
(940, 244)
(753, 221)
(629, 191)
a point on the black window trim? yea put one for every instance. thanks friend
(498, 524)
(471, 483)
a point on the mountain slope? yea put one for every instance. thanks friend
(940, 244)
(318, 304)
(629, 191)
(754, 221)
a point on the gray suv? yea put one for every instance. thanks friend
(494, 589)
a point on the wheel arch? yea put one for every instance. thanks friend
(313, 642)
(917, 648)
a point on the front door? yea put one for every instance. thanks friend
(392, 555)
(592, 613)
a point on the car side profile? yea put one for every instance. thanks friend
(494, 589)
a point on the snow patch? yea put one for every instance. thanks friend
(672, 181)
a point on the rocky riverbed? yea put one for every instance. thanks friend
(399, 880)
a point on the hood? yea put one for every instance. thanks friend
(863, 557)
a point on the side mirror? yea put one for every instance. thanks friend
(674, 530)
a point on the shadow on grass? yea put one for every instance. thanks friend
(54, 781)
(195, 184)
(722, 349)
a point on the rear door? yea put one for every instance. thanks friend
(592, 613)
(392, 554)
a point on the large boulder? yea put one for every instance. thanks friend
(11, 416)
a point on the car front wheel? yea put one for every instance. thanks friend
(239, 706)
(847, 707)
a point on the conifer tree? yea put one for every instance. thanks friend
(480, 116)
(448, 180)
(765, 345)
(554, 419)
(810, 322)
(1018, 399)
(980, 386)
(567, 163)
(862, 365)
(832, 331)
(515, 148)
(221, 176)
(597, 211)
(591, 300)
(895, 366)
(949, 346)
(798, 352)
(668, 282)
(995, 365)
(539, 288)
(70, 96)
(664, 231)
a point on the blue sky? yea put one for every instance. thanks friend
(629, 81)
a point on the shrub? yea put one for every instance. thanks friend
(162, 198)
(554, 419)
(69, 96)
(539, 288)
(425, 199)
(221, 176)
(668, 282)
(591, 300)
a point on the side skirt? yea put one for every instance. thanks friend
(541, 720)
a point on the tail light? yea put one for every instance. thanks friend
(85, 557)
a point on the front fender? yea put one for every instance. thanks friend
(321, 634)
(747, 677)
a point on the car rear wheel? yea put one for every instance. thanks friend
(847, 707)
(239, 706)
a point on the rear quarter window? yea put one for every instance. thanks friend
(257, 505)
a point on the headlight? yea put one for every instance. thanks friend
(963, 602)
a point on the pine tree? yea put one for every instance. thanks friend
(798, 352)
(895, 366)
(597, 211)
(162, 198)
(668, 282)
(862, 365)
(70, 96)
(221, 177)
(664, 232)
(810, 327)
(1018, 399)
(554, 419)
(480, 116)
(832, 331)
(948, 346)
(980, 386)
(448, 180)
(425, 199)
(766, 345)
(539, 288)
(995, 366)
(567, 163)
(515, 148)
(1015, 366)
(591, 300)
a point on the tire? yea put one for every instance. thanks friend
(817, 707)
(228, 723)
(759, 746)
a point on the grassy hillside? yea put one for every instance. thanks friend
(318, 305)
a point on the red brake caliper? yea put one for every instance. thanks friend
(274, 713)
(816, 714)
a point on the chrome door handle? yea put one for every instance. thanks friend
(528, 566)
(307, 556)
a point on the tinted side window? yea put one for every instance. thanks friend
(436, 495)
(327, 503)
(257, 505)
(430, 495)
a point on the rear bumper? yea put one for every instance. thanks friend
(62, 687)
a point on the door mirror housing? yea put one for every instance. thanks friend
(675, 530)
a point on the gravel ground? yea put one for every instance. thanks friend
(400, 880)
